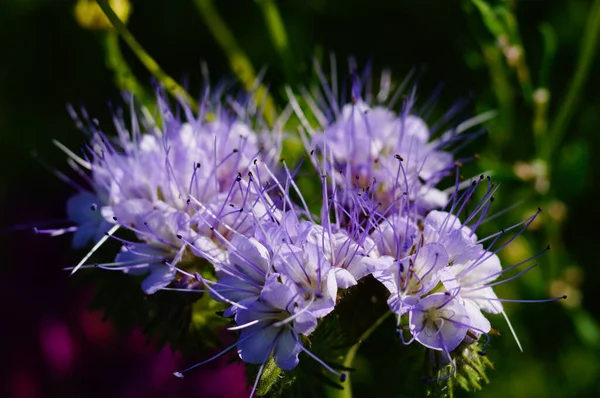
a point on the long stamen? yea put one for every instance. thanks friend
(341, 375)
(96, 247)
(179, 374)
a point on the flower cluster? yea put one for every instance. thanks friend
(210, 208)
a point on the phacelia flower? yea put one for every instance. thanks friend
(195, 169)
(369, 146)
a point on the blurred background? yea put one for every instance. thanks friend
(533, 61)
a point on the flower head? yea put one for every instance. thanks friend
(172, 181)
(371, 143)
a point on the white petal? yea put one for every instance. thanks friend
(487, 300)
(344, 278)
(449, 327)
(250, 257)
(127, 211)
(477, 320)
(362, 266)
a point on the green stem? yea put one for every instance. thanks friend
(238, 61)
(124, 77)
(541, 96)
(167, 81)
(278, 35)
(347, 391)
(589, 46)
(521, 66)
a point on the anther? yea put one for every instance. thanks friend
(94, 207)
(548, 247)
(114, 218)
(179, 236)
(235, 151)
(179, 375)
(397, 156)
(344, 375)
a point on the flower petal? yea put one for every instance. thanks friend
(160, 276)
(287, 348)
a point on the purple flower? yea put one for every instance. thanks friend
(411, 278)
(302, 256)
(91, 220)
(243, 273)
(371, 144)
(273, 325)
(396, 236)
(446, 229)
(439, 322)
(207, 171)
(159, 251)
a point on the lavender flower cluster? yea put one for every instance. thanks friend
(210, 206)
